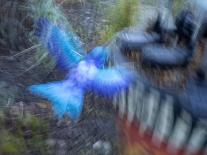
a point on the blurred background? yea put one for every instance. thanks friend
(27, 123)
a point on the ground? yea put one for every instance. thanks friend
(97, 121)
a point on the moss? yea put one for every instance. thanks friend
(11, 144)
(35, 124)
(21, 134)
(38, 145)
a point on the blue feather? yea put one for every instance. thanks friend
(61, 45)
(111, 81)
(42, 28)
(86, 72)
(64, 97)
(99, 55)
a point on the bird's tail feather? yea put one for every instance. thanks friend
(64, 97)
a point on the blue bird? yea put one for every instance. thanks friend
(85, 72)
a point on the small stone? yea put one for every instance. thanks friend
(107, 148)
(43, 105)
(62, 152)
(102, 147)
(51, 142)
(97, 145)
(62, 144)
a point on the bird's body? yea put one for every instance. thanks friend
(85, 72)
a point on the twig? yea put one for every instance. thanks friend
(9, 102)
(61, 3)
(36, 64)
(82, 2)
(26, 50)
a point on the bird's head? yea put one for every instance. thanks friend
(98, 56)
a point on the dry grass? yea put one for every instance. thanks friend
(120, 16)
(178, 5)
(17, 19)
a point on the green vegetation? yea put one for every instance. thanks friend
(48, 9)
(178, 6)
(20, 134)
(120, 16)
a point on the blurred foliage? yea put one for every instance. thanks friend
(53, 11)
(17, 18)
(120, 16)
(17, 22)
(7, 93)
(22, 132)
(48, 9)
(178, 5)
(12, 29)
(11, 144)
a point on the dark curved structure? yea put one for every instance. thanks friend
(165, 111)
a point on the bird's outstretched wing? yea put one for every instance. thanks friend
(64, 97)
(63, 46)
(111, 81)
